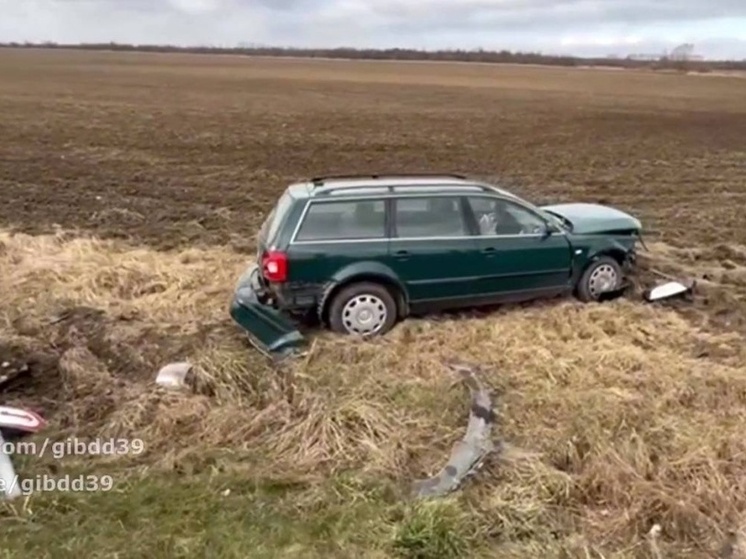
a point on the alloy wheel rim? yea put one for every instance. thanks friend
(603, 279)
(364, 314)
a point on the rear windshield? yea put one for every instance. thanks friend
(273, 221)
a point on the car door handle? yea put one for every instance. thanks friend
(402, 254)
(489, 250)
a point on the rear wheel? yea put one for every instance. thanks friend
(602, 276)
(363, 309)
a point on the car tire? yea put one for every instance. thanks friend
(594, 282)
(359, 304)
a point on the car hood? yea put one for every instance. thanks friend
(594, 218)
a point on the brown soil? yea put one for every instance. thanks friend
(174, 150)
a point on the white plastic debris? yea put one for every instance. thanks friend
(20, 420)
(174, 375)
(14, 419)
(667, 290)
(8, 476)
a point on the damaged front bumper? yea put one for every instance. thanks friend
(268, 330)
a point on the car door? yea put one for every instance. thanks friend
(432, 248)
(517, 258)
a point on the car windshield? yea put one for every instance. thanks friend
(552, 217)
(563, 222)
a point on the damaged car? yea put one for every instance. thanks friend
(363, 252)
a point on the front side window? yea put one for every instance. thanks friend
(501, 217)
(433, 216)
(343, 220)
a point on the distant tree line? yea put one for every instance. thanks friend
(478, 55)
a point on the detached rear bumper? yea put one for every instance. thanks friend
(268, 330)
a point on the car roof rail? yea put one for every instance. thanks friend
(318, 181)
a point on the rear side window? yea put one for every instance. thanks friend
(434, 216)
(348, 220)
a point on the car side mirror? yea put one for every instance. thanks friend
(549, 228)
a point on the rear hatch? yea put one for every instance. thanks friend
(268, 329)
(271, 227)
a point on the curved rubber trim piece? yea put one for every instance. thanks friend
(469, 453)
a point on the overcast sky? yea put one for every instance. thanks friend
(582, 27)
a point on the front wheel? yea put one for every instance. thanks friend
(602, 276)
(363, 309)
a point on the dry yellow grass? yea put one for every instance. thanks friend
(612, 419)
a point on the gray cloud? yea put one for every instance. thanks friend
(580, 26)
(581, 11)
(529, 15)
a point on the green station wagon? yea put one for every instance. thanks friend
(362, 252)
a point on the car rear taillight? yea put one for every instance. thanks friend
(275, 266)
